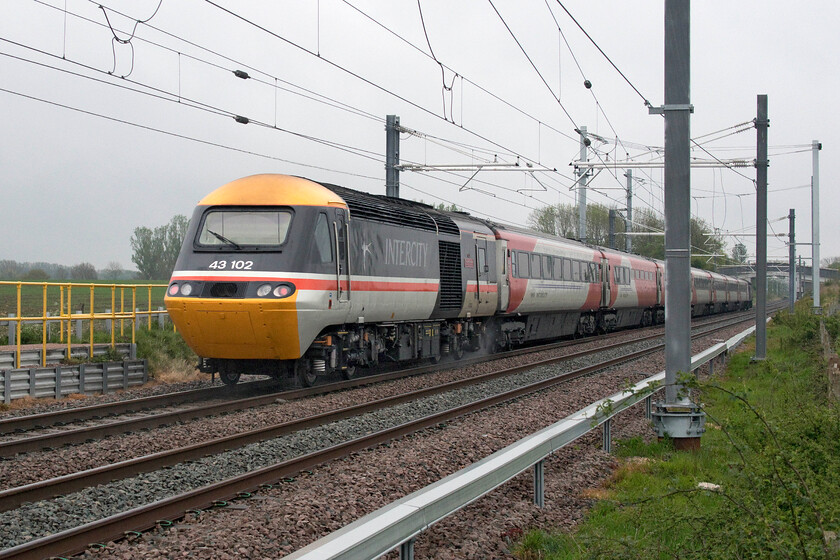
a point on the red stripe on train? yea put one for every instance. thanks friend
(323, 285)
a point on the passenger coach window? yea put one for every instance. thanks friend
(323, 246)
(567, 269)
(558, 269)
(535, 266)
(223, 228)
(522, 264)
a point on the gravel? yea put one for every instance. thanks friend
(394, 477)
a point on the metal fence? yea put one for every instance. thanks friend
(397, 524)
(62, 380)
(113, 309)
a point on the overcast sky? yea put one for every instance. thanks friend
(102, 136)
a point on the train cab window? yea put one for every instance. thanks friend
(323, 243)
(535, 266)
(237, 228)
(522, 264)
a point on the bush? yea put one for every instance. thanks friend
(164, 350)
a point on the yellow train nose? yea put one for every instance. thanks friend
(238, 329)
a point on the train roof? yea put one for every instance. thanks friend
(272, 189)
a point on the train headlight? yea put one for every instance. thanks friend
(186, 289)
(173, 290)
(264, 290)
(284, 290)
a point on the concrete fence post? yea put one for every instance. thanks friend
(7, 386)
(58, 382)
(137, 322)
(108, 323)
(49, 329)
(161, 317)
(12, 331)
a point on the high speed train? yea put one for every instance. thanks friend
(285, 276)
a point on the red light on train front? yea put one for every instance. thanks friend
(283, 290)
(173, 290)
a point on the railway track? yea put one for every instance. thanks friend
(146, 516)
(58, 430)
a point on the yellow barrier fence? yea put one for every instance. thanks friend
(32, 298)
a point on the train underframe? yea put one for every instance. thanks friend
(341, 351)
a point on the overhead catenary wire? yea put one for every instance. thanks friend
(359, 77)
(183, 136)
(534, 66)
(461, 74)
(626, 79)
(370, 152)
(171, 97)
(304, 92)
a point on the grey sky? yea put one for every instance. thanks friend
(74, 186)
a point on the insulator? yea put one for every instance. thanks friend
(241, 74)
(242, 120)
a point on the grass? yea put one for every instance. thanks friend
(772, 444)
(169, 358)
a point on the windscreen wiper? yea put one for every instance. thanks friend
(224, 239)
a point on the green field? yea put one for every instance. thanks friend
(78, 297)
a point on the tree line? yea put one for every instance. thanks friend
(562, 220)
(45, 272)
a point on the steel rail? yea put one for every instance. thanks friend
(78, 539)
(13, 497)
(70, 415)
(84, 434)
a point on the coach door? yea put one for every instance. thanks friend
(606, 292)
(502, 265)
(659, 286)
(342, 262)
(486, 286)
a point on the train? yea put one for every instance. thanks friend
(287, 277)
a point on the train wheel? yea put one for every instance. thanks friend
(228, 377)
(349, 372)
(304, 372)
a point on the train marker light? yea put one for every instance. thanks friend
(264, 290)
(186, 289)
(283, 290)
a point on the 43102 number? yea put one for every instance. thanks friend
(231, 265)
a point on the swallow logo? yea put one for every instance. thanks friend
(365, 252)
